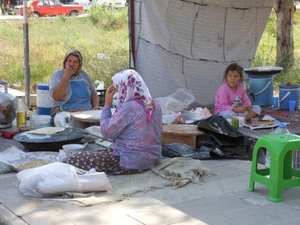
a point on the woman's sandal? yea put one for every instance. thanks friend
(7, 112)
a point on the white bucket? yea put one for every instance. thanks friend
(44, 121)
(44, 100)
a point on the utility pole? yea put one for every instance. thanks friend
(26, 54)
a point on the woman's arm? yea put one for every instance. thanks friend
(95, 100)
(60, 90)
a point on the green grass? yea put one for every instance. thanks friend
(104, 31)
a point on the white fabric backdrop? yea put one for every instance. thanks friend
(189, 43)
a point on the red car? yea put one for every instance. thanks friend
(52, 8)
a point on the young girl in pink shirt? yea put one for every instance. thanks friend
(231, 98)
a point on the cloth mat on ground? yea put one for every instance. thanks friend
(180, 171)
(276, 114)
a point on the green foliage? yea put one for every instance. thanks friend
(266, 52)
(102, 37)
(107, 17)
(50, 39)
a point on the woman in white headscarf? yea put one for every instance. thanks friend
(71, 88)
(135, 129)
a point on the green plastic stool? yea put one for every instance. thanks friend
(280, 175)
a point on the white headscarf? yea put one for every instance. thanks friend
(131, 86)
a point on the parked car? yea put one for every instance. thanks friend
(111, 3)
(18, 7)
(85, 3)
(52, 8)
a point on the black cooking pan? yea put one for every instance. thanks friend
(54, 142)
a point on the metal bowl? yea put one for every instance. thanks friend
(263, 70)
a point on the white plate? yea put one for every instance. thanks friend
(70, 147)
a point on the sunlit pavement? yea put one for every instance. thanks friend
(221, 199)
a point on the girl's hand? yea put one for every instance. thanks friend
(247, 107)
(240, 109)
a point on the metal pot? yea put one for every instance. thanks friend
(5, 99)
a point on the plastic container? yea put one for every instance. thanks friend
(188, 115)
(43, 99)
(261, 84)
(34, 120)
(21, 112)
(44, 121)
(168, 119)
(261, 90)
(101, 96)
(287, 93)
(280, 129)
(235, 123)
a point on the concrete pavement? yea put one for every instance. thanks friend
(221, 199)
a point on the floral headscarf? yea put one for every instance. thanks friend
(131, 86)
(76, 53)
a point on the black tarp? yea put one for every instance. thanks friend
(221, 141)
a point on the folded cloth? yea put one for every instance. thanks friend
(182, 170)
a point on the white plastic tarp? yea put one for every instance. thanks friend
(188, 43)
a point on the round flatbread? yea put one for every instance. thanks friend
(47, 130)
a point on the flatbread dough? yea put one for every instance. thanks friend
(47, 130)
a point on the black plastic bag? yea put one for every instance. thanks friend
(230, 141)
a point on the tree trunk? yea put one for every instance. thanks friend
(285, 42)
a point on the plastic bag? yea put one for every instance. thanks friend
(177, 101)
(280, 129)
(58, 178)
(230, 141)
(201, 113)
(182, 150)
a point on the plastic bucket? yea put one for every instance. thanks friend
(261, 90)
(287, 93)
(44, 121)
(43, 99)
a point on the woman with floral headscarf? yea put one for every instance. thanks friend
(71, 88)
(135, 129)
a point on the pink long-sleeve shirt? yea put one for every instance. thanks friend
(227, 99)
